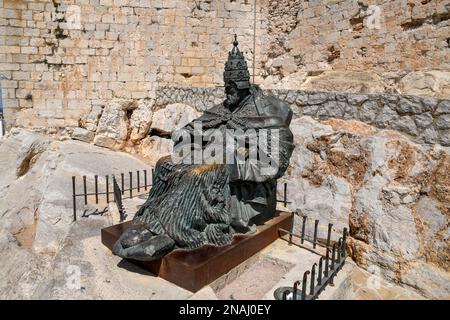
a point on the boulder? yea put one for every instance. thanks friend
(112, 128)
(292, 81)
(153, 148)
(83, 135)
(390, 192)
(345, 81)
(36, 210)
(48, 180)
(141, 120)
(435, 83)
(173, 116)
(170, 118)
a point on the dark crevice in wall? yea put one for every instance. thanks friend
(333, 54)
(59, 33)
(434, 19)
(357, 21)
(27, 162)
(156, 132)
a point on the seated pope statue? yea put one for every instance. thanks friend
(221, 178)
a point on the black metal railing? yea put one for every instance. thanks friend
(284, 201)
(126, 192)
(328, 265)
(303, 236)
(125, 188)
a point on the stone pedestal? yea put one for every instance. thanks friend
(194, 269)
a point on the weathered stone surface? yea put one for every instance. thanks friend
(389, 191)
(83, 135)
(140, 121)
(359, 284)
(445, 137)
(345, 81)
(429, 280)
(443, 107)
(433, 219)
(153, 148)
(46, 206)
(174, 116)
(409, 105)
(113, 59)
(435, 83)
(112, 130)
(93, 117)
(405, 124)
(424, 120)
(292, 81)
(36, 210)
(443, 121)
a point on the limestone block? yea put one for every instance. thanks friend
(434, 83)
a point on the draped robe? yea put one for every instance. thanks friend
(197, 204)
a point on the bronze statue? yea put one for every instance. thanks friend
(195, 203)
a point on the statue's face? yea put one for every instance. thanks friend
(232, 96)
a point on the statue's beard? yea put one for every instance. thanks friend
(231, 101)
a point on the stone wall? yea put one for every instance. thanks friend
(61, 58)
(423, 119)
(385, 37)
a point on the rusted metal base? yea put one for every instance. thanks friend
(194, 269)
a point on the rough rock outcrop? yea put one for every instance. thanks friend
(426, 120)
(393, 194)
(172, 117)
(125, 125)
(345, 81)
(435, 83)
(328, 81)
(36, 202)
(292, 81)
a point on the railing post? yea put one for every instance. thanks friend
(138, 176)
(122, 183)
(344, 239)
(316, 224)
(292, 226)
(153, 176)
(333, 256)
(313, 275)
(305, 279)
(339, 251)
(145, 180)
(96, 188)
(330, 225)
(114, 182)
(131, 184)
(285, 195)
(74, 195)
(303, 229)
(107, 189)
(294, 290)
(319, 277)
(327, 256)
(85, 190)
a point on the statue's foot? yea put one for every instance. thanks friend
(241, 226)
(133, 236)
(153, 248)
